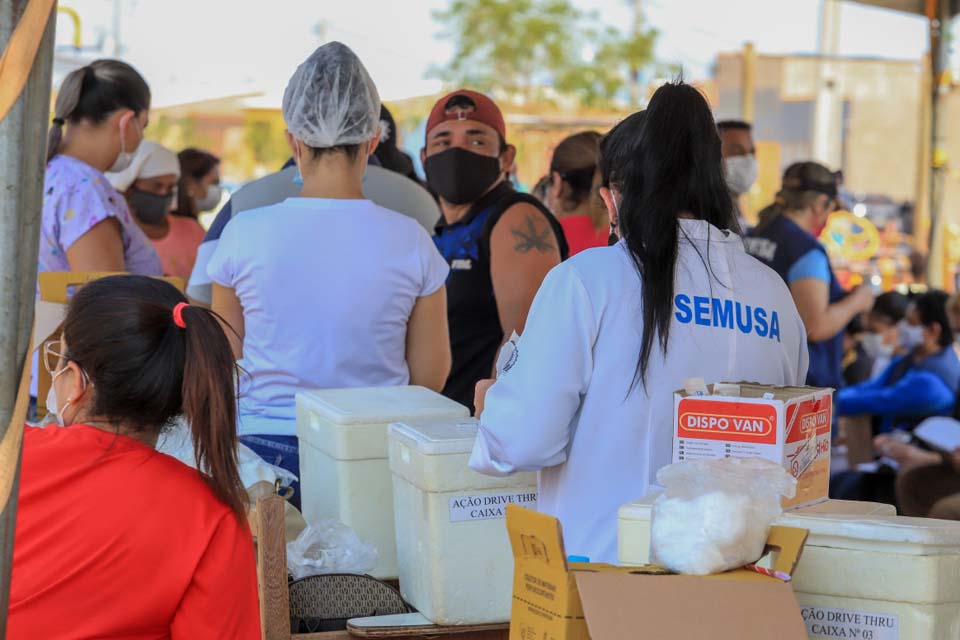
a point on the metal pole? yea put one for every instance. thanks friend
(826, 122)
(635, 93)
(938, 13)
(748, 82)
(23, 135)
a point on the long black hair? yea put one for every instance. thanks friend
(664, 162)
(146, 370)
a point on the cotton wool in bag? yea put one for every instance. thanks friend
(715, 515)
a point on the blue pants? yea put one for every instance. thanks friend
(280, 451)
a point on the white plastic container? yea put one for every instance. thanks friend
(633, 523)
(456, 565)
(864, 572)
(344, 471)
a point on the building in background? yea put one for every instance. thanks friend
(878, 125)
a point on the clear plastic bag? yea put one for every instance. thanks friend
(329, 546)
(715, 515)
(177, 441)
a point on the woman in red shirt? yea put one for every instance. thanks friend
(114, 539)
(573, 192)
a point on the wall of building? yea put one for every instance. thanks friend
(878, 119)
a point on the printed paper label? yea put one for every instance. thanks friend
(841, 623)
(706, 419)
(696, 449)
(803, 457)
(488, 507)
(808, 418)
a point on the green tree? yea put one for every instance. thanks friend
(535, 48)
(266, 142)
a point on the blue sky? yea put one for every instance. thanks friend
(195, 49)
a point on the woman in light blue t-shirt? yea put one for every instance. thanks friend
(328, 290)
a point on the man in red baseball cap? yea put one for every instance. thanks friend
(499, 243)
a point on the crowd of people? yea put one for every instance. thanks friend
(344, 269)
(113, 202)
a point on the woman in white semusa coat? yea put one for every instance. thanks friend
(588, 398)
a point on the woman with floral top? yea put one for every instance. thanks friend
(99, 118)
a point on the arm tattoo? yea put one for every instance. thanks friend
(529, 236)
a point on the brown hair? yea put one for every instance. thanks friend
(575, 159)
(146, 370)
(194, 165)
(92, 93)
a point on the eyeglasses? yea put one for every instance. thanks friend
(53, 354)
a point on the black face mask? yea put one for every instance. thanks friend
(149, 207)
(460, 176)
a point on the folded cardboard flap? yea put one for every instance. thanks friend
(754, 391)
(559, 600)
(655, 607)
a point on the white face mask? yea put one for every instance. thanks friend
(125, 159)
(911, 336)
(210, 199)
(741, 173)
(874, 347)
(53, 406)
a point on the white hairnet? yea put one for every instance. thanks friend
(331, 100)
(149, 161)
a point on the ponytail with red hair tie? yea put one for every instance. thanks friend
(178, 315)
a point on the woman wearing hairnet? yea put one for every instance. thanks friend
(328, 289)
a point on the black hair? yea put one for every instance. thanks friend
(387, 152)
(665, 162)
(194, 165)
(855, 326)
(734, 125)
(351, 151)
(616, 148)
(146, 370)
(92, 93)
(891, 306)
(932, 308)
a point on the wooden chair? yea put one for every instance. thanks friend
(55, 289)
(268, 528)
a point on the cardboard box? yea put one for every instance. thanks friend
(557, 600)
(791, 428)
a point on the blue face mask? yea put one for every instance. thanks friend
(298, 179)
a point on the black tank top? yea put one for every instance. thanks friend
(475, 331)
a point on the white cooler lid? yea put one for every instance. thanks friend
(379, 404)
(437, 437)
(641, 509)
(846, 524)
(893, 534)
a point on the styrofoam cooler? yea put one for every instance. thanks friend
(864, 572)
(456, 565)
(887, 577)
(633, 523)
(344, 471)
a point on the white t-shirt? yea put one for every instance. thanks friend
(327, 288)
(565, 405)
(386, 188)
